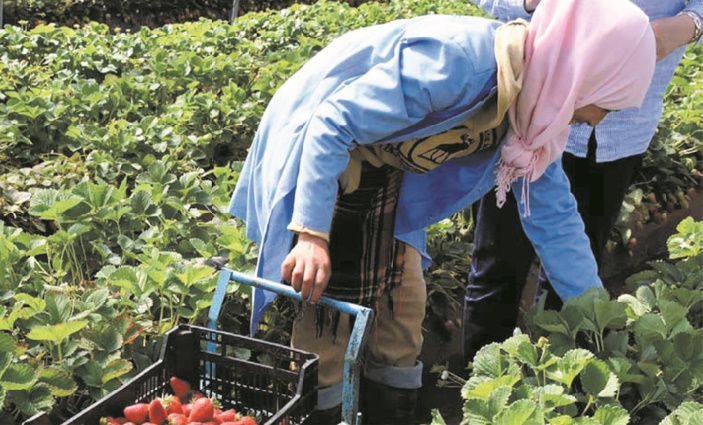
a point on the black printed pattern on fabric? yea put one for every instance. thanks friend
(423, 155)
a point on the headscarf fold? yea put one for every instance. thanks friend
(577, 53)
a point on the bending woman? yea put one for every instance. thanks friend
(397, 126)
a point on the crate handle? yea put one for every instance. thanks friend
(357, 339)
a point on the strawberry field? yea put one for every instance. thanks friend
(120, 148)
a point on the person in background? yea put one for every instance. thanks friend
(600, 162)
(394, 127)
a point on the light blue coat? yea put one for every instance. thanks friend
(388, 83)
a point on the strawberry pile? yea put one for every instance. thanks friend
(184, 407)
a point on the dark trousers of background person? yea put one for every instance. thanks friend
(503, 255)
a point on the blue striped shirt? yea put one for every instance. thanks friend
(629, 131)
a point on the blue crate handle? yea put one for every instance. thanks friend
(362, 326)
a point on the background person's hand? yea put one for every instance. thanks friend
(307, 267)
(672, 33)
(531, 5)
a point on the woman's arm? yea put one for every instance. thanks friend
(557, 233)
(423, 77)
(676, 31)
(426, 75)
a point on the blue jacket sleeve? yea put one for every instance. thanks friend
(504, 10)
(424, 75)
(557, 233)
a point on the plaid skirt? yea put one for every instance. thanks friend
(366, 258)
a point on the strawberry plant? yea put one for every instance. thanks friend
(634, 359)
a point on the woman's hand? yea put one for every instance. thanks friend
(672, 33)
(307, 267)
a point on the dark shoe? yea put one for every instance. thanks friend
(384, 405)
(331, 416)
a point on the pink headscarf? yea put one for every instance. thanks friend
(577, 53)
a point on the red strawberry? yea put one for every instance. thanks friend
(202, 410)
(157, 412)
(226, 416)
(180, 387)
(136, 413)
(174, 405)
(177, 419)
(187, 408)
(246, 420)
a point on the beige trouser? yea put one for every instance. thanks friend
(395, 342)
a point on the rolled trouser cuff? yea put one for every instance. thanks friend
(397, 377)
(329, 397)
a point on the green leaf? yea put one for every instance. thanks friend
(552, 396)
(646, 296)
(34, 400)
(688, 241)
(649, 369)
(487, 389)
(482, 410)
(141, 202)
(689, 346)
(552, 321)
(50, 204)
(649, 329)
(59, 382)
(17, 376)
(476, 411)
(522, 349)
(116, 369)
(688, 412)
(571, 364)
(205, 250)
(56, 333)
(617, 342)
(612, 415)
(609, 314)
(193, 274)
(524, 412)
(561, 420)
(106, 339)
(489, 361)
(674, 315)
(637, 307)
(7, 343)
(59, 307)
(668, 272)
(598, 380)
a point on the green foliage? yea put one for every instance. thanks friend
(449, 245)
(119, 153)
(673, 164)
(634, 359)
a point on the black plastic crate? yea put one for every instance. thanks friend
(278, 384)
